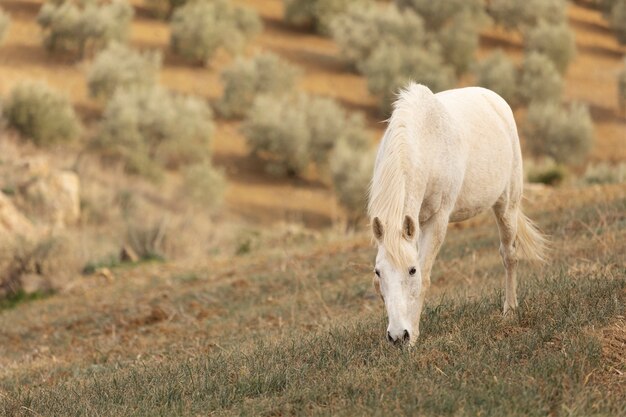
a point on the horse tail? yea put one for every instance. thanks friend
(533, 244)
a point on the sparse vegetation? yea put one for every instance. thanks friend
(295, 130)
(565, 135)
(617, 20)
(200, 28)
(605, 173)
(556, 41)
(351, 169)
(318, 14)
(88, 27)
(437, 13)
(36, 266)
(150, 129)
(521, 15)
(204, 185)
(119, 66)
(163, 8)
(363, 30)
(244, 80)
(545, 171)
(540, 80)
(459, 42)
(5, 21)
(498, 73)
(621, 87)
(41, 114)
(388, 69)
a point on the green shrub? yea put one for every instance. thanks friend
(266, 73)
(555, 41)
(66, 26)
(459, 42)
(540, 80)
(351, 170)
(618, 20)
(120, 66)
(163, 8)
(293, 131)
(518, 15)
(605, 173)
(318, 14)
(621, 87)
(545, 171)
(498, 73)
(41, 114)
(565, 135)
(5, 21)
(363, 30)
(388, 69)
(437, 13)
(204, 185)
(200, 28)
(149, 129)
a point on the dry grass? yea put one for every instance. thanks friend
(269, 325)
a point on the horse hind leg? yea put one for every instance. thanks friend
(506, 217)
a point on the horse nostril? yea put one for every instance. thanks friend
(389, 337)
(406, 336)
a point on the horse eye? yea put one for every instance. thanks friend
(377, 273)
(412, 271)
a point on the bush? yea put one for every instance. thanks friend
(555, 41)
(621, 88)
(5, 21)
(564, 135)
(293, 131)
(604, 173)
(149, 129)
(69, 27)
(459, 42)
(388, 69)
(120, 66)
(618, 20)
(518, 15)
(200, 28)
(437, 13)
(540, 80)
(163, 8)
(246, 79)
(363, 30)
(41, 114)
(545, 171)
(351, 170)
(204, 185)
(37, 266)
(498, 73)
(318, 14)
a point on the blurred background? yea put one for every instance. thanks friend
(183, 136)
(176, 130)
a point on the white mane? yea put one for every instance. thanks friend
(388, 189)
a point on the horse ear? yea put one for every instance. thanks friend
(377, 228)
(408, 228)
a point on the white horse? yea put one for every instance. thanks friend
(444, 158)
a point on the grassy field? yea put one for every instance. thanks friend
(272, 311)
(300, 331)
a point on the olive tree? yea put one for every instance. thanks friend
(564, 134)
(200, 28)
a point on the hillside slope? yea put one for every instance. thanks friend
(261, 198)
(298, 329)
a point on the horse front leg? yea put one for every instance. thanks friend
(432, 235)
